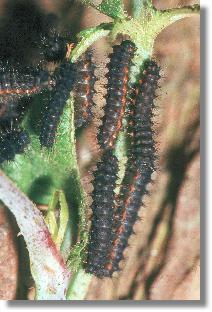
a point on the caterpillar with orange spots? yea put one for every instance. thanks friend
(84, 89)
(19, 82)
(17, 85)
(116, 98)
(106, 248)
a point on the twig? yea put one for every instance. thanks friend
(48, 268)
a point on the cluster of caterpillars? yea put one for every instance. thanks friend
(114, 215)
(18, 84)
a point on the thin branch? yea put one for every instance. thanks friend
(79, 286)
(179, 13)
(48, 268)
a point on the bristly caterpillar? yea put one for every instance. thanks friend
(101, 233)
(12, 141)
(84, 89)
(116, 98)
(22, 81)
(64, 81)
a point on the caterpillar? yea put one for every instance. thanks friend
(12, 141)
(18, 82)
(140, 164)
(84, 90)
(64, 81)
(118, 77)
(101, 233)
(144, 143)
(17, 85)
(16, 88)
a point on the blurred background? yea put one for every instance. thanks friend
(162, 262)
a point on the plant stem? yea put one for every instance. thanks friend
(173, 15)
(79, 285)
(48, 268)
(139, 6)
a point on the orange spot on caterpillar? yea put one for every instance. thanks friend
(70, 47)
(19, 91)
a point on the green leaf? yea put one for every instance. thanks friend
(139, 6)
(57, 226)
(63, 219)
(112, 8)
(38, 173)
(50, 218)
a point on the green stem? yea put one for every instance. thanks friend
(81, 193)
(139, 6)
(170, 16)
(79, 285)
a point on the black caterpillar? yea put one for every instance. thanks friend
(18, 82)
(12, 141)
(64, 81)
(140, 165)
(144, 143)
(17, 85)
(84, 90)
(101, 233)
(118, 76)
